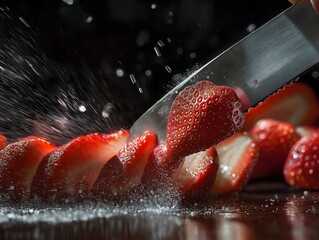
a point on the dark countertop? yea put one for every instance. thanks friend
(263, 211)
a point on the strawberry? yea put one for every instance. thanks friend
(3, 141)
(296, 103)
(124, 171)
(19, 162)
(72, 169)
(274, 138)
(306, 130)
(237, 155)
(202, 115)
(160, 166)
(301, 169)
(197, 175)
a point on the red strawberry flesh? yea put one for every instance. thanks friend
(72, 169)
(201, 116)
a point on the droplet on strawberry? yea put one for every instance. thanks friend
(301, 169)
(201, 116)
(275, 139)
(19, 162)
(71, 170)
(196, 177)
(306, 130)
(124, 172)
(237, 155)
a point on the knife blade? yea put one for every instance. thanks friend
(262, 62)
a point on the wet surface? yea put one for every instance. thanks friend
(263, 211)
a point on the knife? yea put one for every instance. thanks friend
(273, 55)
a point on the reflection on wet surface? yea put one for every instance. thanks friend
(275, 212)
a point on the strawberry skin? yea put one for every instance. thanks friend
(237, 155)
(71, 170)
(202, 115)
(124, 171)
(19, 162)
(275, 139)
(3, 141)
(301, 169)
(196, 177)
(296, 103)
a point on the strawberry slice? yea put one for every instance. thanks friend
(72, 169)
(296, 103)
(274, 138)
(237, 155)
(19, 162)
(202, 115)
(124, 171)
(3, 141)
(197, 175)
(160, 166)
(301, 169)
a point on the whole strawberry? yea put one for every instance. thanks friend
(202, 115)
(274, 139)
(301, 168)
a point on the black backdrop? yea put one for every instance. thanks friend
(105, 42)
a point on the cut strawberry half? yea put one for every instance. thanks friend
(197, 174)
(3, 141)
(237, 155)
(124, 172)
(202, 115)
(71, 170)
(301, 169)
(296, 103)
(275, 139)
(19, 162)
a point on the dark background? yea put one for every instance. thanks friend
(78, 48)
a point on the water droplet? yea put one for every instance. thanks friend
(119, 72)
(140, 90)
(153, 6)
(11, 188)
(251, 27)
(168, 69)
(157, 51)
(160, 43)
(89, 19)
(315, 74)
(169, 40)
(170, 14)
(68, 2)
(82, 108)
(133, 79)
(148, 72)
(179, 51)
(24, 22)
(192, 55)
(107, 110)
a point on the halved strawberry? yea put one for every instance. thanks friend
(3, 141)
(301, 169)
(197, 175)
(296, 103)
(202, 115)
(124, 172)
(19, 162)
(237, 155)
(274, 138)
(306, 130)
(71, 170)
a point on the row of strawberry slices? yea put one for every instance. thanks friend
(208, 151)
(108, 166)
